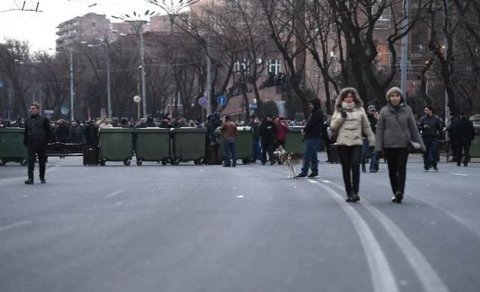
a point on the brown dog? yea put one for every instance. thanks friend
(290, 159)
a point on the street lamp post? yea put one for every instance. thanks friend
(105, 42)
(72, 93)
(142, 71)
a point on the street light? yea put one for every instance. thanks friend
(105, 43)
(137, 25)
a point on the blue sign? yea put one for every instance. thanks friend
(222, 100)
(203, 101)
(252, 105)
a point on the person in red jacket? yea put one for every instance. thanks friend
(282, 130)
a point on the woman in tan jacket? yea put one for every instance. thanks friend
(350, 123)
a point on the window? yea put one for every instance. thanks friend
(386, 10)
(240, 66)
(274, 66)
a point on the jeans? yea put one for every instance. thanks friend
(256, 149)
(430, 156)
(310, 158)
(366, 152)
(350, 159)
(41, 152)
(397, 168)
(230, 152)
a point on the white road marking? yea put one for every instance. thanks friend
(114, 194)
(458, 174)
(383, 278)
(429, 279)
(14, 225)
(240, 197)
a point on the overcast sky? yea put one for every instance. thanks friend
(39, 28)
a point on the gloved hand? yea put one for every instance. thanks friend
(344, 114)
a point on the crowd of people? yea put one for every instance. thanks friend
(358, 135)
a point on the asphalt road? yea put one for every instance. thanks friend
(250, 228)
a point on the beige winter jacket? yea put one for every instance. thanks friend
(351, 129)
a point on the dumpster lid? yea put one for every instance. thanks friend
(189, 130)
(152, 130)
(12, 129)
(115, 130)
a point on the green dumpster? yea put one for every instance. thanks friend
(475, 147)
(188, 144)
(116, 144)
(243, 145)
(152, 144)
(11, 146)
(294, 142)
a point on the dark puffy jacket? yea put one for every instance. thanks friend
(37, 132)
(313, 128)
(464, 132)
(268, 131)
(430, 126)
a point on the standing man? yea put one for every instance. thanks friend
(229, 132)
(431, 127)
(464, 134)
(312, 133)
(37, 135)
(268, 131)
(366, 150)
(254, 125)
(454, 119)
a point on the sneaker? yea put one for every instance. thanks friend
(301, 175)
(435, 168)
(355, 198)
(29, 181)
(313, 175)
(397, 198)
(42, 180)
(349, 199)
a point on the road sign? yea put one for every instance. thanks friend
(222, 100)
(252, 106)
(203, 101)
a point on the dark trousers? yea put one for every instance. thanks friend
(41, 152)
(267, 148)
(256, 149)
(350, 157)
(230, 152)
(465, 148)
(430, 156)
(397, 168)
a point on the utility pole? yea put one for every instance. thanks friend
(109, 94)
(142, 70)
(72, 93)
(405, 44)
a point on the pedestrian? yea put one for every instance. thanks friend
(430, 127)
(37, 135)
(254, 125)
(229, 132)
(281, 135)
(312, 133)
(396, 128)
(268, 131)
(105, 124)
(350, 122)
(368, 152)
(450, 129)
(464, 134)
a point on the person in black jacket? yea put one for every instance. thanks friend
(37, 135)
(430, 127)
(464, 134)
(268, 130)
(312, 134)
